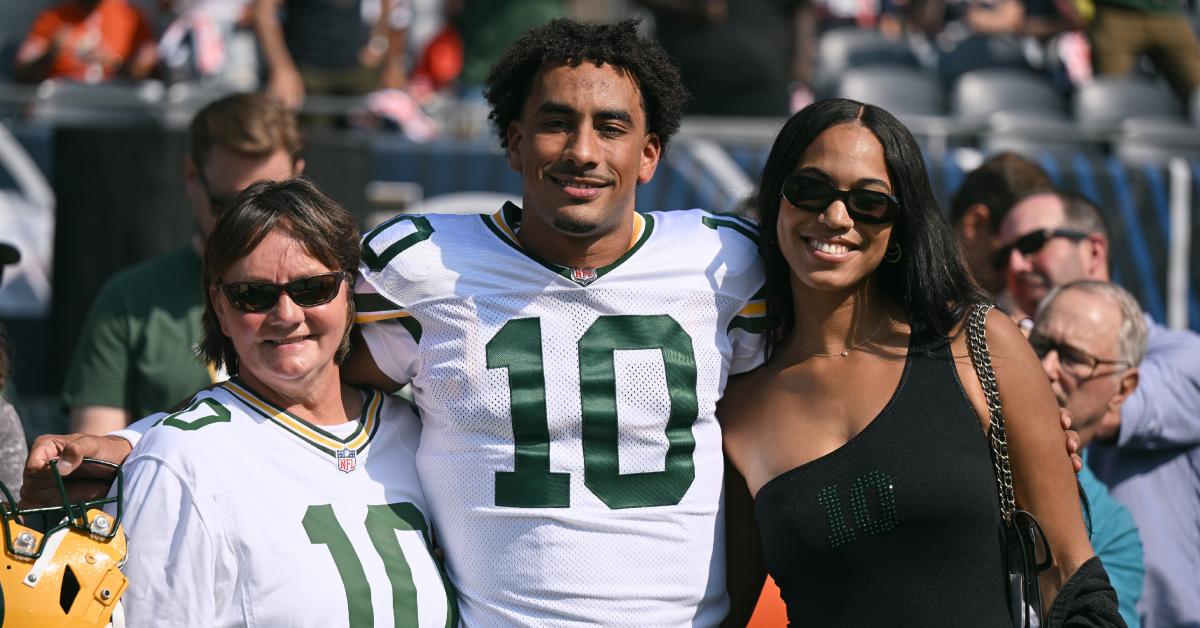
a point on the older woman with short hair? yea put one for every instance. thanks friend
(283, 496)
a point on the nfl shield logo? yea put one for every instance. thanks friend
(583, 276)
(346, 460)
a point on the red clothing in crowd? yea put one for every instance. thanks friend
(94, 42)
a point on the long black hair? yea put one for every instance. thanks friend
(930, 279)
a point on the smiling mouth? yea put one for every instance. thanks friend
(289, 341)
(829, 248)
(579, 188)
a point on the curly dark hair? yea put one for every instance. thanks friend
(510, 80)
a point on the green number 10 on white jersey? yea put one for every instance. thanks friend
(383, 523)
(517, 347)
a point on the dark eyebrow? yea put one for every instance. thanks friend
(552, 107)
(614, 114)
(817, 173)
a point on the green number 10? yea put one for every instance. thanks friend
(517, 347)
(382, 522)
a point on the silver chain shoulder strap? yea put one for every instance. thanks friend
(981, 358)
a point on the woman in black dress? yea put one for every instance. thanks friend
(863, 437)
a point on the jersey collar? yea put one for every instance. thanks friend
(307, 432)
(506, 222)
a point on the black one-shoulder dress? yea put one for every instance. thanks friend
(901, 525)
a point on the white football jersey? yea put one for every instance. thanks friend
(241, 514)
(570, 452)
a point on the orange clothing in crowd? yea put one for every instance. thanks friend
(93, 42)
(771, 611)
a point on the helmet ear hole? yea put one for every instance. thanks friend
(69, 591)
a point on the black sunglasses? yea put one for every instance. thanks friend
(311, 291)
(1033, 242)
(814, 195)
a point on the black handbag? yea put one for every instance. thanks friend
(1024, 548)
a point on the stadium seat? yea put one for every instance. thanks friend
(900, 90)
(844, 48)
(1102, 105)
(1156, 140)
(69, 103)
(979, 52)
(1036, 134)
(978, 94)
(1137, 152)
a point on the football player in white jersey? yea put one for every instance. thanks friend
(283, 497)
(567, 355)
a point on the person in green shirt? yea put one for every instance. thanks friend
(136, 353)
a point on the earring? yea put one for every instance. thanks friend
(893, 253)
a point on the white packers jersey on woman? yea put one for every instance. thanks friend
(240, 514)
(569, 452)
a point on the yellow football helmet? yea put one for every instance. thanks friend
(69, 575)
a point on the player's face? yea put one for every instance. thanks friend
(1030, 276)
(225, 173)
(287, 346)
(829, 250)
(581, 145)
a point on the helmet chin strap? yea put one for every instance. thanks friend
(46, 560)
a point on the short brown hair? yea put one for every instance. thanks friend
(999, 183)
(324, 228)
(254, 125)
(1079, 212)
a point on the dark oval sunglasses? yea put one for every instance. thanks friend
(1033, 242)
(249, 296)
(814, 195)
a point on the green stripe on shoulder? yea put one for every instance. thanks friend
(749, 223)
(378, 260)
(736, 225)
(753, 325)
(373, 302)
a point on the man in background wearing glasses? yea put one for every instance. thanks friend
(136, 353)
(1090, 336)
(1054, 239)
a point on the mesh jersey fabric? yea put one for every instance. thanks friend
(241, 514)
(570, 451)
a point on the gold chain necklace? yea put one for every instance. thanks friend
(846, 352)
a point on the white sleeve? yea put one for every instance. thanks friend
(136, 430)
(172, 565)
(393, 349)
(747, 337)
(391, 333)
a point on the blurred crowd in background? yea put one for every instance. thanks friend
(745, 58)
